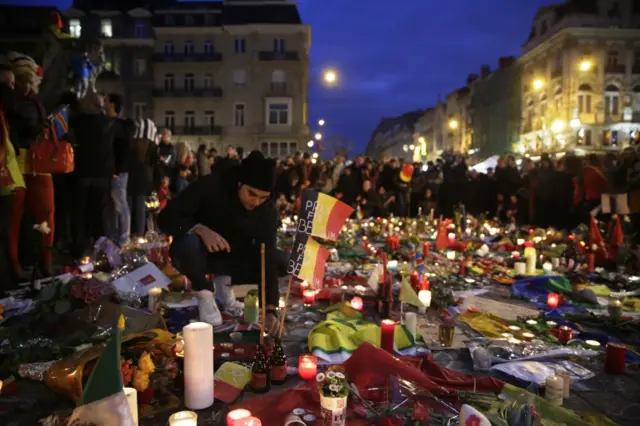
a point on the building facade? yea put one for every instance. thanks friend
(459, 133)
(215, 73)
(581, 77)
(394, 137)
(431, 133)
(495, 109)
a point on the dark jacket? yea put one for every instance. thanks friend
(94, 136)
(213, 202)
(124, 129)
(143, 171)
(26, 120)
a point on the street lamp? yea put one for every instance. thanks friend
(310, 144)
(318, 136)
(330, 76)
(405, 148)
(412, 147)
(321, 122)
(421, 139)
(453, 124)
(538, 84)
(586, 65)
(558, 126)
(575, 123)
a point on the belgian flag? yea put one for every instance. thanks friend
(322, 215)
(308, 259)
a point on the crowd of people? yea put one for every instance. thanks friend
(119, 162)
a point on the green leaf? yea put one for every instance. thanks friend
(62, 306)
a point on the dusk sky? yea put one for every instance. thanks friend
(393, 57)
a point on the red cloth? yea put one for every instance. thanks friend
(272, 409)
(163, 196)
(594, 183)
(617, 239)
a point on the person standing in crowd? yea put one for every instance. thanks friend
(27, 125)
(202, 161)
(230, 160)
(95, 170)
(122, 155)
(167, 153)
(218, 224)
(10, 176)
(183, 174)
(143, 174)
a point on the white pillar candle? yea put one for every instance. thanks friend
(198, 365)
(555, 262)
(132, 399)
(154, 297)
(411, 322)
(425, 297)
(183, 418)
(520, 268)
(531, 264)
(554, 389)
(451, 255)
(547, 267)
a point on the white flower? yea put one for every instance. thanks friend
(340, 376)
(320, 377)
(334, 388)
(43, 228)
(331, 375)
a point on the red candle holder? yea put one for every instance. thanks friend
(591, 262)
(307, 367)
(462, 268)
(565, 333)
(614, 358)
(425, 250)
(304, 286)
(553, 300)
(249, 421)
(387, 329)
(424, 284)
(308, 297)
(234, 416)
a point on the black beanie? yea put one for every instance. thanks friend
(258, 172)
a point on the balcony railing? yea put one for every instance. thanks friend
(198, 130)
(195, 57)
(615, 69)
(278, 89)
(216, 92)
(278, 56)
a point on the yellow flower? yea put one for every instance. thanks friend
(145, 364)
(140, 380)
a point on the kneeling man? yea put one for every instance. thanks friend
(218, 224)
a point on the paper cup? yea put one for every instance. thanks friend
(334, 410)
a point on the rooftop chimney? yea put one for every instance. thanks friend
(485, 70)
(471, 78)
(506, 61)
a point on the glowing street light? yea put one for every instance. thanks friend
(310, 144)
(421, 139)
(405, 148)
(575, 123)
(453, 124)
(330, 76)
(412, 147)
(318, 136)
(538, 84)
(321, 122)
(315, 155)
(586, 65)
(558, 126)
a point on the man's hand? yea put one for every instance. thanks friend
(212, 240)
(272, 325)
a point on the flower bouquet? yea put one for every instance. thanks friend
(334, 391)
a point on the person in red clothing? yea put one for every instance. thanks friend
(594, 182)
(164, 195)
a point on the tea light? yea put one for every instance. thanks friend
(307, 367)
(528, 336)
(154, 297)
(281, 303)
(452, 237)
(520, 241)
(425, 298)
(249, 421)
(309, 296)
(551, 324)
(592, 343)
(87, 276)
(183, 418)
(451, 255)
(553, 300)
(235, 416)
(303, 286)
(547, 267)
(356, 303)
(565, 333)
(520, 268)
(132, 399)
(507, 335)
(514, 328)
(515, 254)
(532, 322)
(387, 329)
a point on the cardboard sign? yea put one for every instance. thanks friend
(141, 280)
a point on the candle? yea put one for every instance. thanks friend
(547, 267)
(519, 241)
(132, 399)
(387, 328)
(592, 343)
(553, 299)
(507, 335)
(307, 367)
(303, 286)
(154, 297)
(551, 324)
(452, 237)
(198, 365)
(515, 254)
(555, 262)
(514, 328)
(183, 418)
(233, 417)
(520, 268)
(528, 336)
(356, 303)
(425, 250)
(532, 322)
(250, 421)
(451, 255)
(411, 322)
(531, 263)
(565, 333)
(591, 261)
(614, 358)
(281, 303)
(425, 298)
(462, 268)
(554, 388)
(566, 382)
(309, 296)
